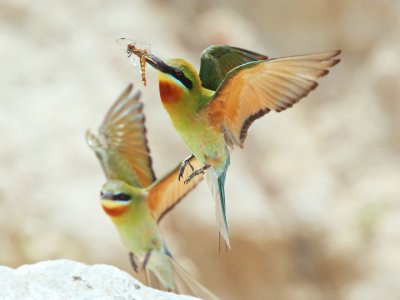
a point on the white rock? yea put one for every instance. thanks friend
(65, 279)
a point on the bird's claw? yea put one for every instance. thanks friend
(181, 170)
(133, 262)
(183, 166)
(194, 174)
(146, 259)
(197, 172)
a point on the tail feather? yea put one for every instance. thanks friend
(170, 275)
(216, 181)
(196, 287)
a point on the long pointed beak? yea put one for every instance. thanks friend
(106, 196)
(161, 66)
(157, 63)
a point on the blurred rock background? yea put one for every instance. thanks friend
(313, 199)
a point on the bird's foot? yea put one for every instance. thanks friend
(133, 262)
(146, 259)
(183, 166)
(197, 172)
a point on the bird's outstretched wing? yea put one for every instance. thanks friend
(251, 90)
(122, 145)
(217, 61)
(166, 192)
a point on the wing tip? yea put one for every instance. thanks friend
(335, 61)
(91, 139)
(333, 57)
(332, 54)
(130, 86)
(324, 72)
(337, 52)
(127, 90)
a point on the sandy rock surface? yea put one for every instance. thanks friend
(66, 279)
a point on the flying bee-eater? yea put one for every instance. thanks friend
(212, 110)
(132, 197)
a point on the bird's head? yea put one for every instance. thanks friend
(175, 76)
(117, 196)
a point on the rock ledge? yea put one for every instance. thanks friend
(66, 279)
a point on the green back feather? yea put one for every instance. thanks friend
(217, 61)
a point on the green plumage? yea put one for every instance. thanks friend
(212, 110)
(133, 199)
(217, 61)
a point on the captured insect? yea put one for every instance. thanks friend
(140, 49)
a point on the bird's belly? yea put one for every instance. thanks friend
(158, 262)
(139, 238)
(204, 142)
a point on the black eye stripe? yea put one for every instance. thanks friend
(121, 197)
(178, 74)
(173, 71)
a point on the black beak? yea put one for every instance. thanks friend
(157, 63)
(106, 196)
(161, 66)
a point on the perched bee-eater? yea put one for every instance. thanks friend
(213, 109)
(132, 197)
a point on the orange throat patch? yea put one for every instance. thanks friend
(170, 91)
(112, 208)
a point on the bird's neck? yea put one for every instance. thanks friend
(138, 229)
(177, 99)
(120, 213)
(114, 209)
(171, 92)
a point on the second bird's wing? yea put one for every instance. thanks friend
(217, 61)
(253, 89)
(166, 192)
(122, 145)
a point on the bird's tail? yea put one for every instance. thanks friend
(173, 277)
(192, 284)
(216, 182)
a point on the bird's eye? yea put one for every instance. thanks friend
(101, 194)
(178, 72)
(122, 197)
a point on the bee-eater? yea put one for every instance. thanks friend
(132, 197)
(213, 109)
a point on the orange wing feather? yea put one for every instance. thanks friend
(252, 90)
(168, 191)
(123, 131)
